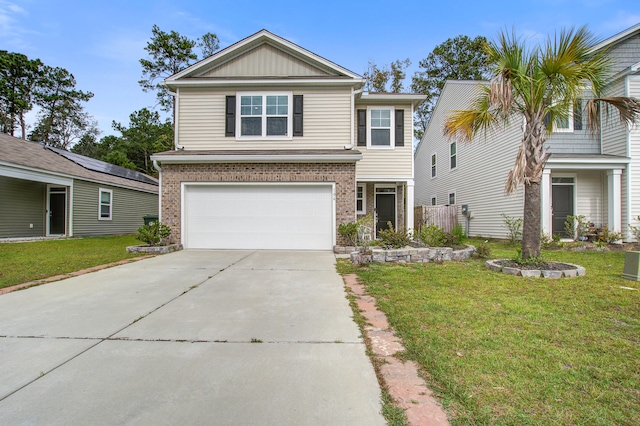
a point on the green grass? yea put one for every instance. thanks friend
(24, 262)
(503, 350)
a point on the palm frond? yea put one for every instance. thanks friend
(603, 109)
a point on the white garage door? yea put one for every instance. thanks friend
(247, 216)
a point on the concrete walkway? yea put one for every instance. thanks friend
(208, 337)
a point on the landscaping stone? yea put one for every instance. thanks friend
(496, 266)
(571, 273)
(535, 273)
(511, 271)
(553, 274)
(408, 254)
(169, 248)
(493, 266)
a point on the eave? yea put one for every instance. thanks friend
(310, 156)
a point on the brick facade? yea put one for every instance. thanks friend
(400, 197)
(342, 174)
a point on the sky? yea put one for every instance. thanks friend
(101, 42)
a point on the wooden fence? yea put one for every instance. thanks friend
(446, 217)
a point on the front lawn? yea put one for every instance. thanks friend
(503, 350)
(28, 261)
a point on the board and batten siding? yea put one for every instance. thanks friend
(22, 203)
(482, 167)
(128, 208)
(201, 121)
(378, 163)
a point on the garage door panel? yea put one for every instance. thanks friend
(259, 216)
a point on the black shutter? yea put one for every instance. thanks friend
(362, 127)
(577, 114)
(230, 115)
(297, 115)
(399, 127)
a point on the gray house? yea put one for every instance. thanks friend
(597, 176)
(46, 191)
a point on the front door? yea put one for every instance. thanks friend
(57, 211)
(385, 208)
(562, 202)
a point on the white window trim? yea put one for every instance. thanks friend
(364, 198)
(100, 191)
(455, 198)
(434, 198)
(288, 136)
(456, 144)
(392, 133)
(569, 129)
(433, 167)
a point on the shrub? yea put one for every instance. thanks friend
(431, 235)
(608, 236)
(483, 251)
(349, 231)
(549, 241)
(635, 230)
(458, 232)
(514, 225)
(154, 233)
(392, 238)
(577, 227)
(365, 229)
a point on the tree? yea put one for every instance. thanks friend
(459, 58)
(539, 85)
(61, 119)
(377, 78)
(170, 53)
(19, 77)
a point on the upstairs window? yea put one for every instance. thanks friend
(453, 155)
(433, 165)
(381, 125)
(105, 204)
(264, 115)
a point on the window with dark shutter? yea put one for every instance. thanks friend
(297, 115)
(230, 116)
(399, 127)
(362, 127)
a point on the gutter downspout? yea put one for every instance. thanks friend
(157, 167)
(175, 94)
(353, 97)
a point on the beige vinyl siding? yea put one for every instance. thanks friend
(591, 195)
(128, 209)
(482, 167)
(387, 163)
(634, 143)
(201, 121)
(265, 60)
(22, 203)
(614, 134)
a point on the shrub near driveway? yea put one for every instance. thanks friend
(29, 261)
(508, 350)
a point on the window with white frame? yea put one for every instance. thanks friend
(380, 127)
(105, 204)
(573, 120)
(433, 165)
(453, 155)
(452, 198)
(361, 195)
(434, 201)
(264, 115)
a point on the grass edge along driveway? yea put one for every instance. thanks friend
(505, 350)
(22, 262)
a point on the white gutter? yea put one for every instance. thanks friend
(253, 82)
(353, 106)
(241, 158)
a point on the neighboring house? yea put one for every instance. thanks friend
(277, 146)
(46, 191)
(597, 176)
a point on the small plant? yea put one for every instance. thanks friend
(349, 232)
(365, 229)
(154, 233)
(458, 232)
(254, 340)
(431, 235)
(483, 251)
(608, 236)
(549, 240)
(577, 227)
(600, 244)
(392, 238)
(514, 225)
(635, 230)
(531, 261)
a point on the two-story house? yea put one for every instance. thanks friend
(277, 146)
(597, 176)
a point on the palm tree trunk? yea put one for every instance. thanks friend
(531, 221)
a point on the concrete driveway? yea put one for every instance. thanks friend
(192, 337)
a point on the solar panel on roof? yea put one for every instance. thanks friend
(103, 167)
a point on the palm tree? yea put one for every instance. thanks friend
(539, 85)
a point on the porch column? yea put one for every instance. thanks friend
(409, 206)
(545, 202)
(614, 200)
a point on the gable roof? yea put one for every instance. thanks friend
(36, 157)
(262, 47)
(629, 32)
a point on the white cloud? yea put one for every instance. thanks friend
(122, 47)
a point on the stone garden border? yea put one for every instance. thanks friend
(579, 271)
(407, 254)
(145, 248)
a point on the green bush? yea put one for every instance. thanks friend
(458, 233)
(392, 238)
(608, 236)
(577, 227)
(349, 231)
(154, 233)
(483, 251)
(514, 225)
(431, 235)
(635, 230)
